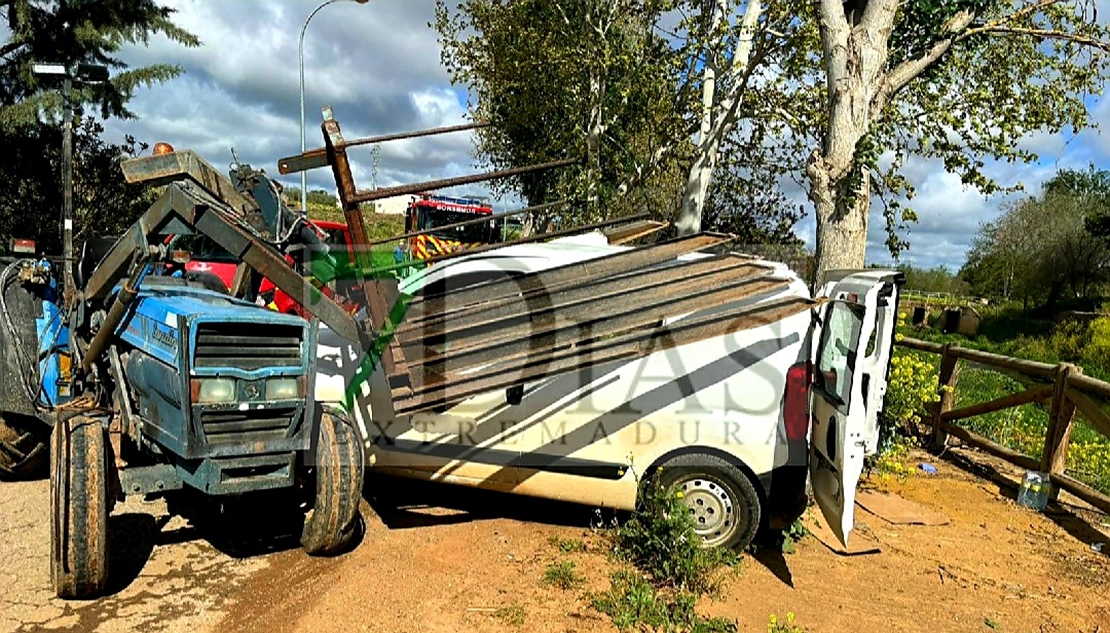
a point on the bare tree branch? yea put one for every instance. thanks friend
(1047, 34)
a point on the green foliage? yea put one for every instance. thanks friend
(562, 575)
(793, 534)
(567, 545)
(1041, 247)
(660, 540)
(92, 31)
(513, 615)
(912, 386)
(1024, 428)
(890, 463)
(936, 279)
(634, 604)
(672, 570)
(563, 80)
(31, 202)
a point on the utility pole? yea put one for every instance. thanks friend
(85, 73)
(69, 290)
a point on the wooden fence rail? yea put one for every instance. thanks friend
(1062, 387)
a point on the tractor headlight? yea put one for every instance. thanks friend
(283, 389)
(213, 390)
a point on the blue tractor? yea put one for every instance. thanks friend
(128, 380)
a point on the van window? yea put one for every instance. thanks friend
(837, 356)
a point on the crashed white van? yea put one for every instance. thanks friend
(737, 421)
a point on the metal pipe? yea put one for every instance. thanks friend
(373, 140)
(389, 192)
(484, 218)
(116, 312)
(318, 157)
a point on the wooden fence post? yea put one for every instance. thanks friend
(949, 374)
(1055, 456)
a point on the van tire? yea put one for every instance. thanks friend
(334, 521)
(723, 500)
(23, 448)
(79, 508)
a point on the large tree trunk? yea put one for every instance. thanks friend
(855, 54)
(841, 232)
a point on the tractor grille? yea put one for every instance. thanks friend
(247, 345)
(246, 426)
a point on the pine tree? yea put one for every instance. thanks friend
(70, 32)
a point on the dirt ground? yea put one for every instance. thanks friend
(446, 559)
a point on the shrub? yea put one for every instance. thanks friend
(660, 539)
(634, 603)
(912, 386)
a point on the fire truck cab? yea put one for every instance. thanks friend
(440, 216)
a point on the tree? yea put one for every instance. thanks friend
(1040, 249)
(557, 79)
(68, 32)
(89, 31)
(103, 203)
(647, 107)
(959, 80)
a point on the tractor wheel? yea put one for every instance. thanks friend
(334, 521)
(79, 508)
(23, 450)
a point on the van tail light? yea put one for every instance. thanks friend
(795, 409)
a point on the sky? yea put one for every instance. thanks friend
(378, 65)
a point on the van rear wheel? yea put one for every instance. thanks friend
(722, 500)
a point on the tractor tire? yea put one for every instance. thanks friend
(334, 522)
(79, 508)
(23, 449)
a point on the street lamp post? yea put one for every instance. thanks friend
(300, 57)
(86, 73)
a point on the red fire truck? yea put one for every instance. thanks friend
(438, 215)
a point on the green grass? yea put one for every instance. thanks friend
(513, 615)
(562, 575)
(567, 545)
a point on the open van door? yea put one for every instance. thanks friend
(852, 355)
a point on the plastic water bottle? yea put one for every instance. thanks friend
(1034, 490)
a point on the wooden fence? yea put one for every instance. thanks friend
(1062, 387)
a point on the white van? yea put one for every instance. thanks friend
(737, 422)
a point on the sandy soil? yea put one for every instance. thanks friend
(438, 558)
